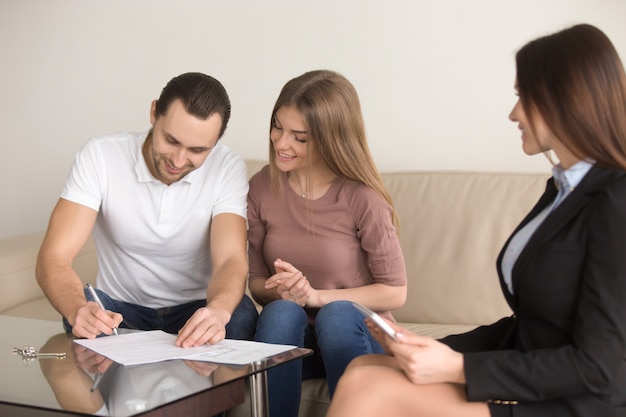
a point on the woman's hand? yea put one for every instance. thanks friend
(289, 283)
(380, 336)
(425, 360)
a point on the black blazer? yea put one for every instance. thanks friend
(562, 352)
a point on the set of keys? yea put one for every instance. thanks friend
(29, 354)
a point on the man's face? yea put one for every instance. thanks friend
(180, 142)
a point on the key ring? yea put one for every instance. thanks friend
(29, 354)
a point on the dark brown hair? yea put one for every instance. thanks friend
(201, 95)
(575, 80)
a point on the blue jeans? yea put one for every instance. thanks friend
(241, 326)
(338, 336)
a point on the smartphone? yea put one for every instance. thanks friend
(382, 324)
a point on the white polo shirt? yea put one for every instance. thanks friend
(152, 239)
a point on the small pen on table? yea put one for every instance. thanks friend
(97, 300)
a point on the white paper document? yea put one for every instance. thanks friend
(155, 346)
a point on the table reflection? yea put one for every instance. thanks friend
(89, 383)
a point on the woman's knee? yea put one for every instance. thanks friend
(355, 395)
(339, 314)
(281, 321)
(362, 382)
(374, 359)
(284, 309)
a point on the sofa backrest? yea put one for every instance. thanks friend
(452, 227)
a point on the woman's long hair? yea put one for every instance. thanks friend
(575, 80)
(331, 110)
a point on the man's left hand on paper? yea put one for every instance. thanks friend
(206, 326)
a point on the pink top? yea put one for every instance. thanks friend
(351, 240)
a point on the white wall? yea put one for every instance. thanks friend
(435, 76)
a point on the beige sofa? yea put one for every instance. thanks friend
(452, 226)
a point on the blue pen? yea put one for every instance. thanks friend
(97, 300)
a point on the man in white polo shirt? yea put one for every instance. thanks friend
(167, 209)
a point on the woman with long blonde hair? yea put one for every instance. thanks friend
(322, 233)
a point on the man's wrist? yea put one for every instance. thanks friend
(223, 314)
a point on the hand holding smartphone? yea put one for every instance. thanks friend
(382, 324)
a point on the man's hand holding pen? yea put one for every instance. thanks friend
(92, 319)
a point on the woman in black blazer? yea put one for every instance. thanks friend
(563, 271)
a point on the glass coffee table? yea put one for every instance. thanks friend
(84, 383)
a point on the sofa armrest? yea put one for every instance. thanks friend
(20, 294)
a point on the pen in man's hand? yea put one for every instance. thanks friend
(97, 300)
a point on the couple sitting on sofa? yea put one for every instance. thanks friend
(175, 257)
(320, 208)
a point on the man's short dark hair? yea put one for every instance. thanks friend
(201, 95)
